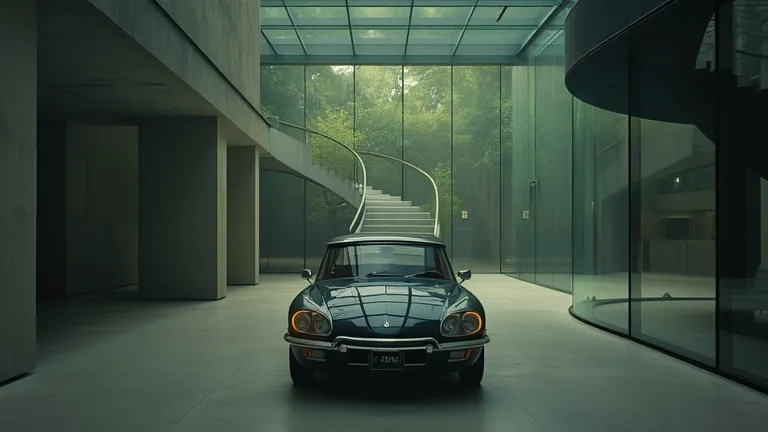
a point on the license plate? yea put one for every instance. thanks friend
(386, 360)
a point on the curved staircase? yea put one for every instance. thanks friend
(377, 212)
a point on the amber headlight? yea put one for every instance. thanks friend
(458, 324)
(311, 323)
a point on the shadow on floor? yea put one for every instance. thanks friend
(391, 389)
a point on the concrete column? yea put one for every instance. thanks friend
(182, 209)
(242, 215)
(18, 171)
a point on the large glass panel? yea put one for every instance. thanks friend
(330, 110)
(523, 161)
(552, 181)
(508, 181)
(282, 95)
(281, 222)
(476, 148)
(600, 217)
(673, 171)
(427, 145)
(379, 124)
(743, 241)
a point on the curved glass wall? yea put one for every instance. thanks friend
(670, 200)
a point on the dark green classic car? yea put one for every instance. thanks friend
(386, 303)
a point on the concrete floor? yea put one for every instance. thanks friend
(111, 363)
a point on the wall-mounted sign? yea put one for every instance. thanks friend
(464, 214)
(526, 214)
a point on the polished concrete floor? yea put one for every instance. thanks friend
(112, 363)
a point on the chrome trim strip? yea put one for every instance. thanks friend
(390, 343)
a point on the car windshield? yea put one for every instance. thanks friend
(385, 259)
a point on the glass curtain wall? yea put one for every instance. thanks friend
(670, 201)
(473, 129)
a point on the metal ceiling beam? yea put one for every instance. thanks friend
(295, 30)
(422, 3)
(543, 25)
(408, 31)
(399, 27)
(269, 42)
(464, 30)
(390, 60)
(349, 25)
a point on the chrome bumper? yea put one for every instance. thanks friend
(428, 344)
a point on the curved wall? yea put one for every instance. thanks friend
(670, 215)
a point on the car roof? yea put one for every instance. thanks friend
(386, 238)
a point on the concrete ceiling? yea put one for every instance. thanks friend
(88, 67)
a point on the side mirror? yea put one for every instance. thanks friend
(306, 274)
(464, 275)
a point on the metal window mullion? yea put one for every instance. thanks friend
(451, 166)
(295, 30)
(544, 23)
(501, 180)
(349, 25)
(269, 42)
(402, 131)
(408, 30)
(464, 30)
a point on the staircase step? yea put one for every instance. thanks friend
(389, 203)
(383, 197)
(391, 209)
(399, 221)
(398, 215)
(394, 229)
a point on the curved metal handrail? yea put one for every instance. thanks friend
(359, 159)
(436, 230)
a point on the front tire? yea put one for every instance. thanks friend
(301, 376)
(473, 375)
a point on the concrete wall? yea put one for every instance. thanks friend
(18, 171)
(228, 32)
(242, 215)
(182, 209)
(102, 207)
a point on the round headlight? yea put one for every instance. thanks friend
(302, 321)
(321, 324)
(459, 324)
(470, 322)
(311, 322)
(451, 324)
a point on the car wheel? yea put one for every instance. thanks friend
(300, 375)
(473, 375)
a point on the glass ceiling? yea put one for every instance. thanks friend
(405, 31)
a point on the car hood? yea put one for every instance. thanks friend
(386, 307)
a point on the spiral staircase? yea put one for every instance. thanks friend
(377, 212)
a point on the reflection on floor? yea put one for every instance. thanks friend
(111, 363)
(677, 313)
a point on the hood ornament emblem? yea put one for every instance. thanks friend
(386, 324)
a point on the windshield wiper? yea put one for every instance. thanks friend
(429, 274)
(379, 273)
